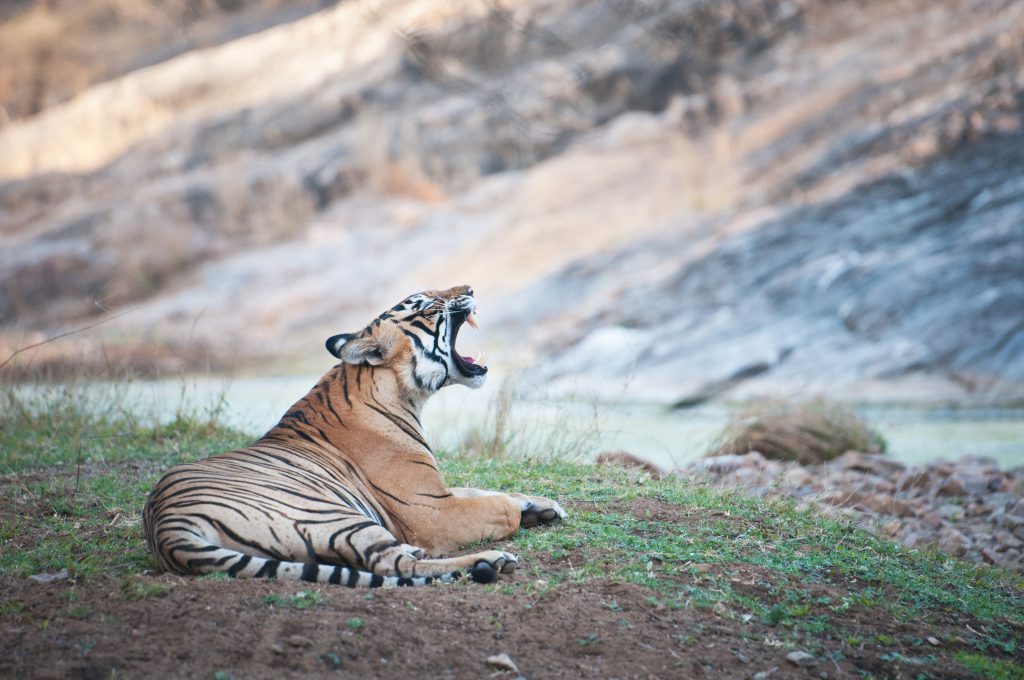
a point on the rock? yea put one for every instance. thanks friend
(502, 662)
(953, 542)
(731, 462)
(951, 486)
(796, 476)
(1012, 521)
(887, 505)
(877, 464)
(951, 512)
(914, 479)
(764, 675)
(49, 578)
(800, 658)
(299, 641)
(629, 461)
(1006, 540)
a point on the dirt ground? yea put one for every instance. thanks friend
(212, 628)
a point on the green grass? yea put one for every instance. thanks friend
(74, 485)
(304, 599)
(992, 669)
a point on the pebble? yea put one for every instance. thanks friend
(299, 641)
(48, 578)
(502, 662)
(799, 658)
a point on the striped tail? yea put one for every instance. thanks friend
(215, 559)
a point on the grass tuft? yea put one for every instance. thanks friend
(808, 432)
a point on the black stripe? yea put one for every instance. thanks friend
(335, 578)
(406, 582)
(433, 495)
(376, 581)
(392, 497)
(423, 462)
(200, 562)
(344, 386)
(353, 578)
(269, 569)
(402, 425)
(239, 565)
(415, 340)
(310, 571)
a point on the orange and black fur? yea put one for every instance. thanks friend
(344, 489)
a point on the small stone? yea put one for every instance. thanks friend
(990, 555)
(892, 527)
(953, 542)
(502, 662)
(1010, 559)
(951, 486)
(48, 578)
(1012, 521)
(951, 512)
(800, 658)
(914, 479)
(276, 648)
(796, 476)
(978, 510)
(630, 461)
(763, 675)
(1006, 540)
(933, 641)
(299, 641)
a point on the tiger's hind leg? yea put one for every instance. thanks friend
(377, 551)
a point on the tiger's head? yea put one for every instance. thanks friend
(416, 339)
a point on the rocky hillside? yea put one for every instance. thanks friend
(689, 199)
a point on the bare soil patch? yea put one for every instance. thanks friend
(200, 627)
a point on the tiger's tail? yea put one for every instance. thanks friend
(208, 558)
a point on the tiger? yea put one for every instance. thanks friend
(345, 488)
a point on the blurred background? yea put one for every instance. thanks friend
(664, 207)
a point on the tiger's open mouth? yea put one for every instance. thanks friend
(467, 365)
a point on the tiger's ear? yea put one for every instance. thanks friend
(364, 349)
(336, 342)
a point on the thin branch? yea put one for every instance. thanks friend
(62, 335)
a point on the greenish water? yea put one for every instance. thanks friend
(538, 426)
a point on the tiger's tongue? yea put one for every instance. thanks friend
(468, 360)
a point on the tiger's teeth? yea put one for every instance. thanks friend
(480, 358)
(471, 320)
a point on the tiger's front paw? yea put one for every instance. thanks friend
(538, 511)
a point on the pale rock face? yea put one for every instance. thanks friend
(644, 204)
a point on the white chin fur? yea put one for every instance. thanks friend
(475, 382)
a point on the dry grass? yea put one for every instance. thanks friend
(807, 432)
(532, 429)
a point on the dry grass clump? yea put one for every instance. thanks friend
(807, 432)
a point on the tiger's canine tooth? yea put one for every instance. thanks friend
(471, 320)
